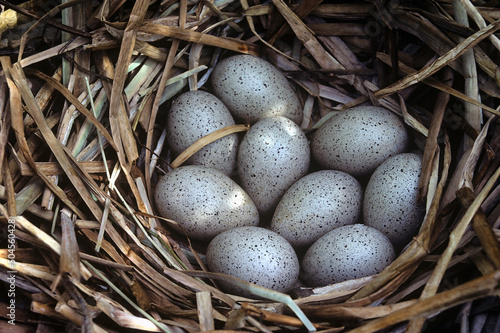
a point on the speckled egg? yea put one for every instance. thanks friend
(273, 155)
(316, 204)
(256, 255)
(253, 89)
(203, 201)
(349, 252)
(195, 114)
(391, 204)
(358, 140)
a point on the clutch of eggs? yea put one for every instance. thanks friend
(319, 212)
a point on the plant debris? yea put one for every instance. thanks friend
(84, 89)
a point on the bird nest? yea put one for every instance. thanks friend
(84, 90)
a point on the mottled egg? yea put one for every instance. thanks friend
(391, 199)
(359, 139)
(195, 114)
(203, 201)
(253, 89)
(256, 255)
(316, 204)
(345, 253)
(273, 155)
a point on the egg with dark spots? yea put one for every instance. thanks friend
(315, 204)
(256, 255)
(273, 155)
(253, 89)
(346, 253)
(391, 199)
(203, 201)
(358, 140)
(195, 114)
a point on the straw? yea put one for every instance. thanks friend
(85, 90)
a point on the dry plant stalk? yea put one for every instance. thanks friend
(481, 227)
(440, 62)
(107, 157)
(431, 144)
(207, 139)
(480, 287)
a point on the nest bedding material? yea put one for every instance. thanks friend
(84, 88)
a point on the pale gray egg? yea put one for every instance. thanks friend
(203, 201)
(273, 155)
(315, 204)
(391, 199)
(195, 114)
(359, 139)
(253, 89)
(345, 253)
(256, 255)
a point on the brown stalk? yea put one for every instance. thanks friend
(277, 318)
(68, 312)
(9, 186)
(476, 16)
(339, 50)
(34, 146)
(204, 306)
(73, 100)
(118, 117)
(337, 11)
(439, 63)
(33, 270)
(105, 68)
(28, 194)
(4, 121)
(53, 168)
(473, 114)
(201, 38)
(337, 29)
(222, 16)
(46, 310)
(481, 227)
(456, 235)
(54, 51)
(47, 240)
(70, 259)
(464, 172)
(156, 102)
(417, 25)
(140, 264)
(198, 285)
(480, 287)
(106, 42)
(346, 312)
(60, 154)
(431, 143)
(206, 140)
(430, 81)
(18, 126)
(141, 253)
(104, 11)
(123, 317)
(301, 11)
(51, 13)
(33, 208)
(79, 14)
(305, 35)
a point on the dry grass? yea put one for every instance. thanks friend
(83, 95)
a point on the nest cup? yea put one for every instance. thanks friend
(82, 240)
